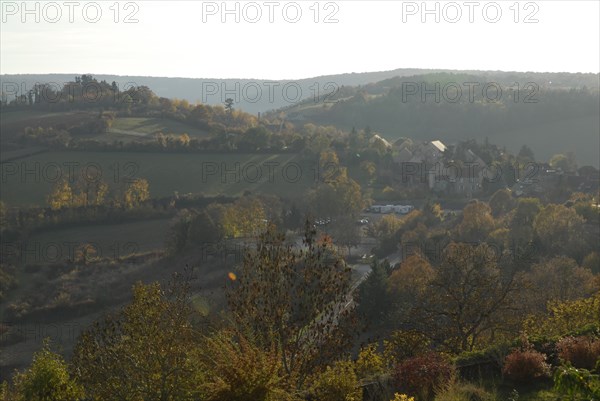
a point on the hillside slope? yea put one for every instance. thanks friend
(261, 95)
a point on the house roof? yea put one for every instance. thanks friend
(378, 137)
(439, 145)
(402, 142)
(473, 158)
(403, 155)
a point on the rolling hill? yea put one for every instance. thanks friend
(261, 95)
(550, 117)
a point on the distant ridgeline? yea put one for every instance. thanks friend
(262, 95)
(250, 95)
(550, 112)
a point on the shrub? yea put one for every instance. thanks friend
(423, 375)
(494, 354)
(571, 381)
(47, 379)
(402, 397)
(5, 392)
(581, 352)
(238, 370)
(525, 365)
(17, 309)
(404, 344)
(565, 317)
(370, 363)
(456, 391)
(337, 383)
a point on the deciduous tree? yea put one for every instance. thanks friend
(521, 221)
(558, 279)
(294, 298)
(374, 302)
(477, 222)
(136, 192)
(144, 351)
(501, 202)
(61, 196)
(560, 230)
(47, 379)
(468, 296)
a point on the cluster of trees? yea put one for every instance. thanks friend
(458, 305)
(86, 92)
(505, 222)
(309, 140)
(246, 217)
(467, 281)
(85, 193)
(337, 198)
(63, 137)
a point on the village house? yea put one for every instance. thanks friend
(425, 163)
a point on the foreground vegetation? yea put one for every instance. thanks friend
(286, 338)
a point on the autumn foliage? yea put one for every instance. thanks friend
(525, 365)
(581, 352)
(422, 375)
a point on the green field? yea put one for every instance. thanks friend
(27, 181)
(136, 126)
(110, 241)
(13, 123)
(19, 115)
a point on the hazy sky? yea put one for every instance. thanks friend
(190, 39)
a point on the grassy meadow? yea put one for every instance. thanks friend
(28, 181)
(109, 241)
(149, 126)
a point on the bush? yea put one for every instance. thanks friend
(525, 365)
(337, 383)
(485, 363)
(238, 370)
(370, 363)
(47, 379)
(423, 375)
(402, 397)
(581, 352)
(5, 392)
(577, 382)
(404, 344)
(456, 391)
(494, 354)
(565, 317)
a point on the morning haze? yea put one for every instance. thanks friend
(411, 215)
